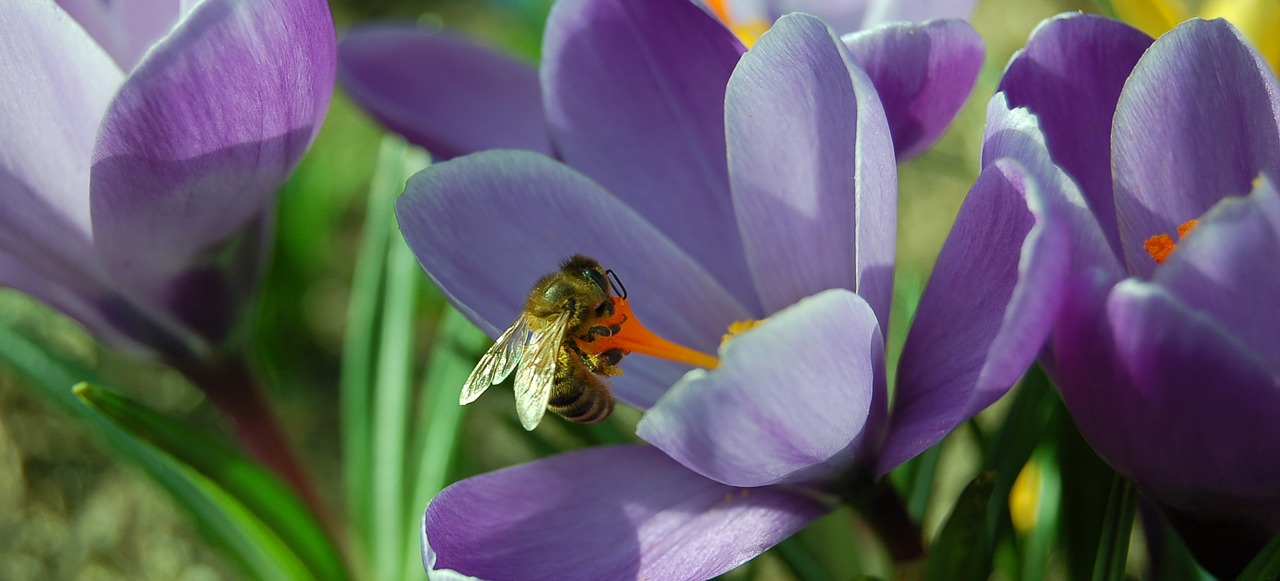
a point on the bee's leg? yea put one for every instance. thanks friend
(611, 357)
(601, 331)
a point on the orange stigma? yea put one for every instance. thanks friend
(748, 31)
(630, 336)
(1161, 246)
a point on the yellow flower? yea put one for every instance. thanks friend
(1258, 20)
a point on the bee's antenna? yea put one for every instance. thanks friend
(617, 284)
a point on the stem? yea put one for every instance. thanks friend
(883, 508)
(231, 387)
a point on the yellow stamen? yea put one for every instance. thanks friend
(1161, 246)
(737, 328)
(632, 337)
(748, 30)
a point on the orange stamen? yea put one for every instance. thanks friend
(1161, 246)
(737, 328)
(635, 338)
(747, 31)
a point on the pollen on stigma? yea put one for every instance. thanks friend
(1160, 246)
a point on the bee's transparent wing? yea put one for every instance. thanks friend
(537, 371)
(498, 362)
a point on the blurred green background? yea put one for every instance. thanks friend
(68, 510)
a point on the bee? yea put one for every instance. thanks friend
(553, 371)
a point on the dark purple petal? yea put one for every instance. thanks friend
(798, 398)
(1170, 399)
(635, 99)
(923, 74)
(125, 29)
(1226, 268)
(987, 311)
(812, 169)
(1070, 76)
(55, 84)
(199, 138)
(1016, 134)
(487, 226)
(441, 92)
(1198, 120)
(623, 512)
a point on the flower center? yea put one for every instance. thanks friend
(748, 30)
(1161, 246)
(623, 332)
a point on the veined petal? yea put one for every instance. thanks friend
(55, 84)
(1070, 76)
(1169, 399)
(986, 313)
(798, 398)
(634, 93)
(923, 74)
(1198, 120)
(812, 169)
(1016, 134)
(125, 29)
(199, 138)
(1226, 268)
(623, 512)
(443, 93)
(487, 226)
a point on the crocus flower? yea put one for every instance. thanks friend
(1165, 347)
(141, 152)
(720, 187)
(454, 97)
(749, 18)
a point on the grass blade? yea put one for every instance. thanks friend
(1113, 549)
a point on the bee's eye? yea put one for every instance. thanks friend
(597, 279)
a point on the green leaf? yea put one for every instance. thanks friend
(260, 493)
(222, 520)
(1113, 549)
(1266, 565)
(963, 547)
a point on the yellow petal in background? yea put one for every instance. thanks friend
(1258, 20)
(1154, 17)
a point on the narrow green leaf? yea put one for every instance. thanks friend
(1113, 549)
(392, 397)
(800, 560)
(963, 547)
(356, 379)
(1266, 565)
(439, 417)
(263, 495)
(919, 487)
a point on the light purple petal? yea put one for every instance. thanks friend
(1070, 77)
(443, 93)
(125, 29)
(635, 99)
(623, 512)
(487, 226)
(55, 84)
(1226, 268)
(1016, 134)
(798, 398)
(987, 311)
(923, 74)
(200, 137)
(812, 169)
(1169, 399)
(1197, 121)
(881, 11)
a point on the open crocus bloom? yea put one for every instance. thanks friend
(723, 187)
(1166, 349)
(141, 153)
(454, 97)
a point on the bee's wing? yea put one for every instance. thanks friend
(498, 362)
(537, 372)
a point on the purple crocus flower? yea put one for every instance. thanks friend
(1166, 353)
(843, 16)
(141, 152)
(720, 187)
(453, 97)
